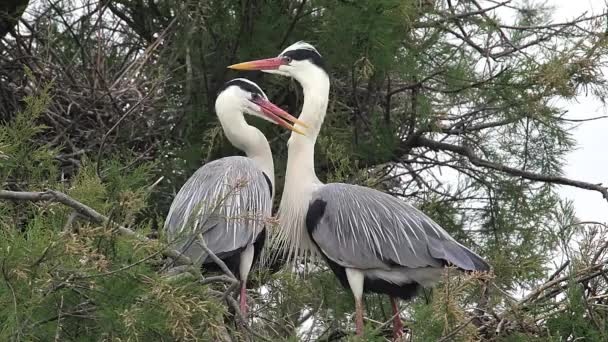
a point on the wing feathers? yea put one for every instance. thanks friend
(364, 228)
(226, 202)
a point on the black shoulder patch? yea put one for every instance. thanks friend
(304, 54)
(258, 245)
(316, 210)
(404, 291)
(268, 181)
(247, 86)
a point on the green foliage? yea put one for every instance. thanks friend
(117, 100)
(364, 31)
(84, 282)
(574, 322)
(21, 161)
(427, 325)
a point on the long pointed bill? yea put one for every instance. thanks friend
(277, 115)
(261, 64)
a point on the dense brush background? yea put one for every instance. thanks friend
(438, 102)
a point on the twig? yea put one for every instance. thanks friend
(585, 119)
(82, 308)
(105, 136)
(216, 279)
(559, 270)
(383, 324)
(556, 281)
(151, 187)
(292, 25)
(214, 257)
(477, 161)
(237, 312)
(178, 257)
(453, 333)
(119, 269)
(56, 196)
(70, 222)
(44, 254)
(10, 286)
(59, 317)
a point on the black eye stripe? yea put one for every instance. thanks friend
(305, 54)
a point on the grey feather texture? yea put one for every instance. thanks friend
(364, 228)
(226, 201)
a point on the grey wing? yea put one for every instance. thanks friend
(364, 228)
(225, 202)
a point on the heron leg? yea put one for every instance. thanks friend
(245, 266)
(243, 298)
(356, 281)
(397, 324)
(359, 316)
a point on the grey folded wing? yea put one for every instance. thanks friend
(225, 203)
(364, 228)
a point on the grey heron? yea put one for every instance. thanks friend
(373, 242)
(224, 204)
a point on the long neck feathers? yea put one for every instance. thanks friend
(300, 177)
(249, 140)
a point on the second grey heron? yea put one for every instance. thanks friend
(372, 241)
(225, 204)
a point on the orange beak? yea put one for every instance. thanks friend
(278, 115)
(260, 64)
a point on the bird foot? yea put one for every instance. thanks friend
(397, 330)
(400, 338)
(397, 324)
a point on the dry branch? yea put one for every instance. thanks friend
(477, 161)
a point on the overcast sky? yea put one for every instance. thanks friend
(590, 160)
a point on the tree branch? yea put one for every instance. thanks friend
(215, 258)
(477, 161)
(56, 196)
(292, 25)
(86, 211)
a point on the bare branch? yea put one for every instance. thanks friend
(477, 161)
(215, 258)
(56, 196)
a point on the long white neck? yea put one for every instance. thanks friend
(251, 141)
(300, 177)
(301, 151)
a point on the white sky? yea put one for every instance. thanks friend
(589, 162)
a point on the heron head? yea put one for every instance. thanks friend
(244, 96)
(299, 61)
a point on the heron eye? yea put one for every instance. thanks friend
(255, 96)
(287, 59)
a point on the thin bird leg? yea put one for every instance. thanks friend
(356, 280)
(397, 324)
(359, 316)
(243, 298)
